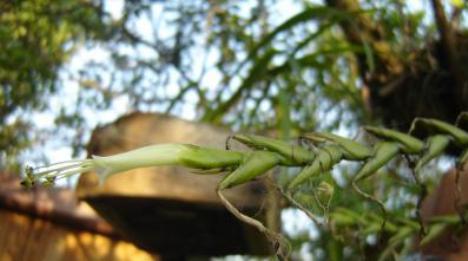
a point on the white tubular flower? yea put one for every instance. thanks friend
(186, 155)
(155, 155)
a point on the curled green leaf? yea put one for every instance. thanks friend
(383, 153)
(408, 143)
(424, 127)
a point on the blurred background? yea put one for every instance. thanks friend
(271, 67)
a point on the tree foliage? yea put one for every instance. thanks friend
(36, 39)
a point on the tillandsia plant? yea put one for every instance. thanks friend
(426, 140)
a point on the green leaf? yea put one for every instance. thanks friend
(255, 164)
(294, 154)
(369, 54)
(464, 158)
(435, 231)
(325, 193)
(209, 158)
(311, 59)
(341, 218)
(435, 146)
(383, 153)
(329, 14)
(395, 241)
(421, 127)
(409, 144)
(326, 158)
(352, 150)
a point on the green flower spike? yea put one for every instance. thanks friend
(185, 155)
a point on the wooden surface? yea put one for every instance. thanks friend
(450, 246)
(58, 205)
(50, 224)
(23, 237)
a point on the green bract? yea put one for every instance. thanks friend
(327, 157)
(255, 164)
(437, 126)
(435, 145)
(463, 158)
(293, 155)
(408, 144)
(383, 153)
(352, 150)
